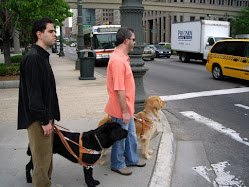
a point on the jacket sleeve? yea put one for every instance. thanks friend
(35, 89)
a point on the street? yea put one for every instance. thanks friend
(209, 120)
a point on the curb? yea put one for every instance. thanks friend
(165, 157)
(9, 84)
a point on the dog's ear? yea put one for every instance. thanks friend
(158, 103)
(149, 101)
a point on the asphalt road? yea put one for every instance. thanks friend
(211, 127)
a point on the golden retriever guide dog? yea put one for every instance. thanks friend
(145, 122)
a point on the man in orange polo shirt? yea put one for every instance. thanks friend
(121, 91)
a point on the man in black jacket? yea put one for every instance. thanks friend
(38, 103)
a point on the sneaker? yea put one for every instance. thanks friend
(141, 163)
(123, 171)
(55, 185)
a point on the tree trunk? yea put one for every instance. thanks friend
(6, 48)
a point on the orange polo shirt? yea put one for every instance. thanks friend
(119, 77)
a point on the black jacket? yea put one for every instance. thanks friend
(37, 91)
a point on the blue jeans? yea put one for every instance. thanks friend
(126, 147)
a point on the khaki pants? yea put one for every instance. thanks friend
(42, 154)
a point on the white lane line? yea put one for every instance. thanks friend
(242, 106)
(223, 178)
(216, 126)
(204, 94)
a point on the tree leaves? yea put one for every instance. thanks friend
(240, 25)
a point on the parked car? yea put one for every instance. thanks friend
(161, 51)
(148, 53)
(73, 45)
(229, 58)
(165, 44)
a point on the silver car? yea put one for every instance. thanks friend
(148, 53)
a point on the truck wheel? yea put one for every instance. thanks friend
(185, 57)
(217, 72)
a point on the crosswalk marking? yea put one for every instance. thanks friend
(242, 106)
(223, 178)
(204, 94)
(216, 126)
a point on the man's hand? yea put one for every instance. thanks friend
(47, 129)
(126, 117)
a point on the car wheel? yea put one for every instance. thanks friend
(151, 58)
(217, 72)
(168, 56)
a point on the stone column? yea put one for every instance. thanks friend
(16, 42)
(131, 16)
(168, 28)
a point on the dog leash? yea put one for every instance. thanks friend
(81, 148)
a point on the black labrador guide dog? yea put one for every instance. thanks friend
(106, 135)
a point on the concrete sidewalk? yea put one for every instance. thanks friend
(82, 105)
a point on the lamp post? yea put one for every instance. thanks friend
(226, 16)
(131, 16)
(80, 36)
(61, 53)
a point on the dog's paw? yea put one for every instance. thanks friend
(150, 151)
(101, 162)
(95, 182)
(148, 157)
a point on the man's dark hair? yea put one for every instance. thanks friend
(122, 34)
(40, 25)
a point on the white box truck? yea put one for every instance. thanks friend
(192, 40)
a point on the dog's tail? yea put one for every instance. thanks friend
(104, 120)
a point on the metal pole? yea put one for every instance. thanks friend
(80, 36)
(61, 43)
(131, 16)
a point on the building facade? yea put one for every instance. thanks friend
(89, 19)
(157, 24)
(104, 17)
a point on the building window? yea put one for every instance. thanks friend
(202, 18)
(175, 19)
(181, 18)
(192, 18)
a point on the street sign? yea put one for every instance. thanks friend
(154, 31)
(86, 26)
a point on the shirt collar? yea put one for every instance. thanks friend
(41, 50)
(122, 55)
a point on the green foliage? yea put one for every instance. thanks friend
(16, 59)
(14, 69)
(240, 25)
(20, 15)
(168, 46)
(2, 70)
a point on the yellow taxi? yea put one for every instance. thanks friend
(229, 58)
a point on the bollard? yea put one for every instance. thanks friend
(87, 61)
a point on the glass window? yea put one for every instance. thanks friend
(219, 48)
(231, 48)
(104, 41)
(246, 52)
(236, 48)
(211, 41)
